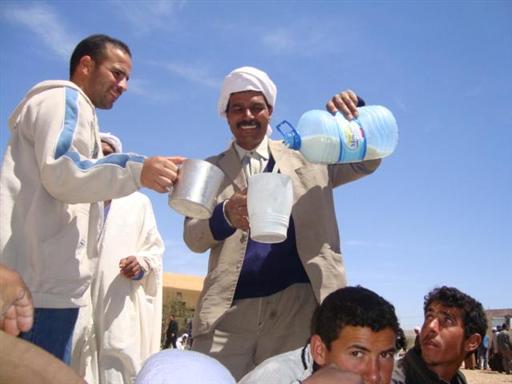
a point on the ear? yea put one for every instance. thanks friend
(86, 64)
(472, 342)
(318, 350)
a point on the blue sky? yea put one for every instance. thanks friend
(437, 211)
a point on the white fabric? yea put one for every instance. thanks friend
(113, 140)
(50, 184)
(123, 326)
(172, 366)
(286, 368)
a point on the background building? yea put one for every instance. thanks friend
(184, 288)
(497, 317)
(180, 295)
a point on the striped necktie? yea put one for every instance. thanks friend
(251, 164)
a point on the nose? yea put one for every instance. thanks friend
(372, 373)
(434, 325)
(248, 113)
(123, 84)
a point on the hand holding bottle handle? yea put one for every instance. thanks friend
(345, 102)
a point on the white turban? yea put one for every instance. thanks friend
(114, 141)
(246, 79)
(172, 366)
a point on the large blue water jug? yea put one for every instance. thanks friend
(325, 138)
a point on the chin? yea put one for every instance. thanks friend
(105, 106)
(429, 357)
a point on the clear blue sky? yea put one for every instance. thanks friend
(438, 211)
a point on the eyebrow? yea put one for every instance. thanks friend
(392, 349)
(442, 312)
(116, 67)
(358, 346)
(365, 349)
(237, 103)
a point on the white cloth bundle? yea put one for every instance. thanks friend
(113, 140)
(172, 366)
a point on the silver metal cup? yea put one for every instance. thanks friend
(197, 187)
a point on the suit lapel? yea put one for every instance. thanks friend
(232, 167)
(291, 165)
(285, 163)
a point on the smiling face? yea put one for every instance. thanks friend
(248, 116)
(359, 350)
(104, 81)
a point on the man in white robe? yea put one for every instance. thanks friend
(122, 326)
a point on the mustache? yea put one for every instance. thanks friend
(248, 122)
(429, 339)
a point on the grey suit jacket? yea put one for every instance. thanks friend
(316, 229)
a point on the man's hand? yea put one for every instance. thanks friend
(129, 267)
(159, 172)
(236, 210)
(345, 102)
(16, 307)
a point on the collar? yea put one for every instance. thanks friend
(417, 371)
(261, 150)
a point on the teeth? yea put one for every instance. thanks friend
(248, 126)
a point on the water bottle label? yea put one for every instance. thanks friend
(353, 142)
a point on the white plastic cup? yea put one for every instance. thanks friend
(269, 202)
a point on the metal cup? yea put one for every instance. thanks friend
(195, 192)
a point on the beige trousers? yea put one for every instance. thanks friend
(253, 330)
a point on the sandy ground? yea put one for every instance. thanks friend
(477, 376)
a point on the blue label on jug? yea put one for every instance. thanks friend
(353, 142)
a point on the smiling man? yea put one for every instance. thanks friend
(454, 326)
(258, 298)
(54, 178)
(354, 332)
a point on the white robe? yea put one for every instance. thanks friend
(122, 325)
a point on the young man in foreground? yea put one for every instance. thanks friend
(353, 330)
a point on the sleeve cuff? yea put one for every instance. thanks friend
(144, 267)
(219, 225)
(139, 276)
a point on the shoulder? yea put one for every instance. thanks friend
(280, 369)
(277, 146)
(141, 197)
(294, 159)
(138, 198)
(459, 378)
(216, 158)
(398, 376)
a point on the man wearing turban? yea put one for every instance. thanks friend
(258, 299)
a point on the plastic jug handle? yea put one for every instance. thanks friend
(291, 138)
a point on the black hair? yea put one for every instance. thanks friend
(94, 46)
(473, 314)
(401, 340)
(355, 306)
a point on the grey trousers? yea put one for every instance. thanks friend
(253, 330)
